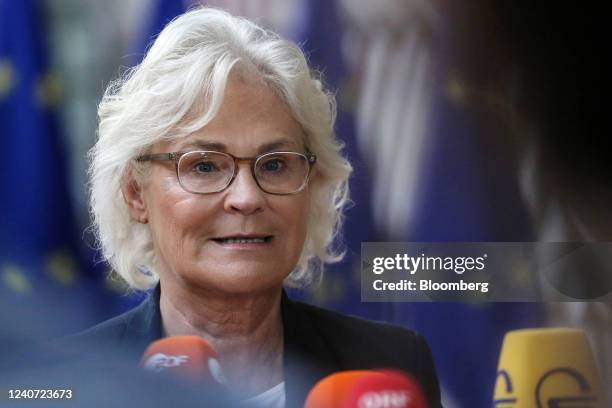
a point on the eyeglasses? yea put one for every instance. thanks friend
(207, 172)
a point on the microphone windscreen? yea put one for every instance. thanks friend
(189, 357)
(331, 390)
(367, 389)
(547, 368)
(386, 389)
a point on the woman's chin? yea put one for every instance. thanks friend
(240, 280)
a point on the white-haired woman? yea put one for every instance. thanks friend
(217, 179)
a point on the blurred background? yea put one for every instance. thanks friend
(465, 121)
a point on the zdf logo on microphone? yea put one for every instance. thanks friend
(160, 361)
(385, 399)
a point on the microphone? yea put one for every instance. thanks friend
(187, 357)
(331, 390)
(367, 389)
(547, 368)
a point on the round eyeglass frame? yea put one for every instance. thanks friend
(310, 158)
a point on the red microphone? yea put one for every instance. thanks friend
(188, 357)
(332, 390)
(367, 389)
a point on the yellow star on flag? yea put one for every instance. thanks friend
(7, 77)
(62, 268)
(14, 278)
(49, 90)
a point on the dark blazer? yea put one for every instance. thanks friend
(317, 343)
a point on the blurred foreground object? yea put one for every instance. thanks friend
(367, 389)
(548, 368)
(189, 357)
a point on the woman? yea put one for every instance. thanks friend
(218, 178)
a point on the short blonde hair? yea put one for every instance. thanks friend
(186, 69)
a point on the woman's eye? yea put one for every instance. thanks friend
(204, 167)
(273, 165)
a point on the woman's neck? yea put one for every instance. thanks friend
(245, 330)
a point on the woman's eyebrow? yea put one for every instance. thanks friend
(203, 145)
(279, 144)
(220, 147)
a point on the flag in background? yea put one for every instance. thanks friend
(41, 264)
(438, 175)
(466, 197)
(469, 193)
(462, 191)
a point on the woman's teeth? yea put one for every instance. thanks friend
(243, 240)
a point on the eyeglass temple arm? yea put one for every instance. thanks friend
(157, 157)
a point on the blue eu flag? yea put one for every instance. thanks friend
(465, 195)
(39, 256)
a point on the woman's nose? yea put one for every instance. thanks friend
(244, 195)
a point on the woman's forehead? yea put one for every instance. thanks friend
(251, 105)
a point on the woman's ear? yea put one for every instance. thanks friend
(134, 198)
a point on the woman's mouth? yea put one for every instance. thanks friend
(239, 240)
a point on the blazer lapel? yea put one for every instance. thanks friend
(307, 356)
(143, 325)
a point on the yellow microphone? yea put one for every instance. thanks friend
(547, 368)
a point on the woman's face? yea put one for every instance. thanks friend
(190, 231)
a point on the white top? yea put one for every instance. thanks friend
(272, 398)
